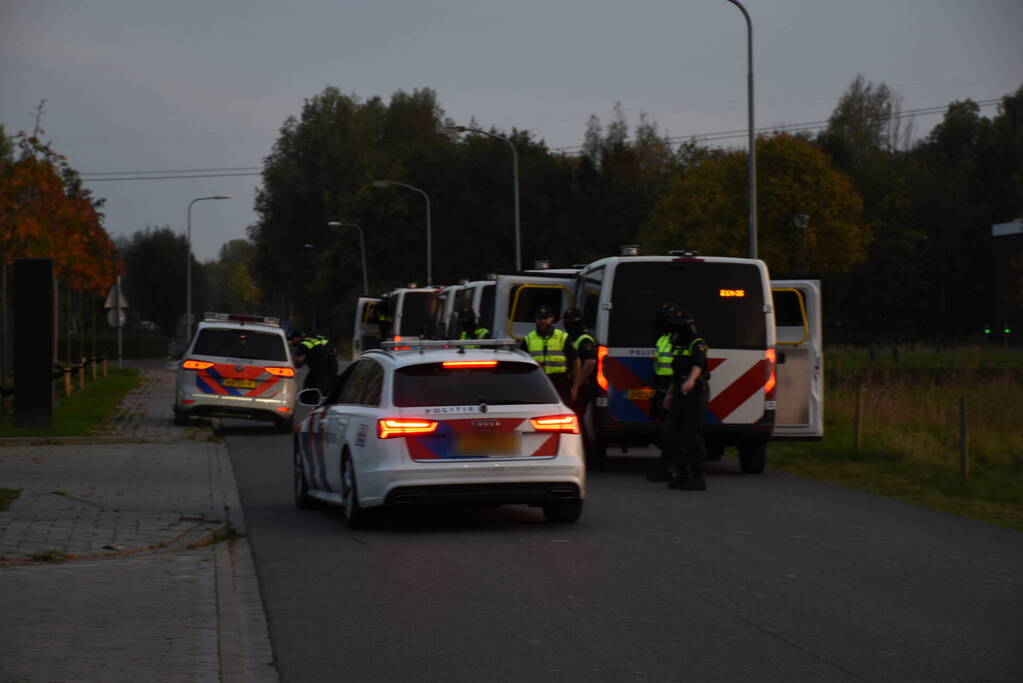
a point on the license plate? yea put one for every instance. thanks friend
(239, 383)
(639, 393)
(484, 444)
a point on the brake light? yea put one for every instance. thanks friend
(470, 363)
(772, 357)
(601, 378)
(556, 423)
(397, 338)
(279, 371)
(389, 427)
(196, 365)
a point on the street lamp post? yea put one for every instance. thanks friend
(362, 245)
(429, 245)
(752, 135)
(452, 131)
(188, 268)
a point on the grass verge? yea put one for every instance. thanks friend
(83, 411)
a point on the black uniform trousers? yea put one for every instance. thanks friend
(685, 443)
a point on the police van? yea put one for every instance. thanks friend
(403, 313)
(516, 298)
(754, 366)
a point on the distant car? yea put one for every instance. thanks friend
(237, 366)
(437, 423)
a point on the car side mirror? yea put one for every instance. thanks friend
(312, 398)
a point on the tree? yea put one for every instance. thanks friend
(155, 261)
(703, 210)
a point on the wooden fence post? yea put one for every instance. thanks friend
(964, 461)
(858, 416)
(92, 365)
(67, 383)
(81, 374)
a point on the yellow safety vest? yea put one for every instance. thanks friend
(666, 351)
(480, 333)
(549, 351)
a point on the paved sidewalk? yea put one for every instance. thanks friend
(113, 559)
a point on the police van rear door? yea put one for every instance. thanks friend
(366, 334)
(517, 297)
(799, 409)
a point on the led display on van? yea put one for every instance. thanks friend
(732, 293)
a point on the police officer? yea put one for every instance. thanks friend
(584, 381)
(550, 348)
(666, 350)
(313, 353)
(685, 401)
(468, 329)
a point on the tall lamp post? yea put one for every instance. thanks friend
(454, 131)
(752, 134)
(429, 245)
(188, 268)
(362, 245)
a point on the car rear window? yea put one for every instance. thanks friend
(509, 383)
(726, 299)
(419, 313)
(240, 344)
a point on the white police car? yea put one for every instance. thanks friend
(440, 423)
(237, 366)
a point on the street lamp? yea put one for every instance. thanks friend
(752, 135)
(429, 246)
(362, 245)
(453, 132)
(188, 268)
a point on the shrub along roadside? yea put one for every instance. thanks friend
(83, 411)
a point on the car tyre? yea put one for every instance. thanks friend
(355, 516)
(180, 418)
(301, 488)
(594, 445)
(563, 511)
(753, 456)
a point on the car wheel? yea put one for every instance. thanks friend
(285, 426)
(715, 450)
(753, 456)
(594, 444)
(180, 418)
(302, 498)
(355, 516)
(563, 511)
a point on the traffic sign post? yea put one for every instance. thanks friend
(117, 316)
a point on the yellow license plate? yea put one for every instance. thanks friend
(639, 393)
(484, 444)
(239, 383)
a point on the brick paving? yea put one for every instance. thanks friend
(137, 586)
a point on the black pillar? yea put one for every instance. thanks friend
(33, 342)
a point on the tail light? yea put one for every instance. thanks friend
(279, 371)
(772, 381)
(601, 378)
(196, 365)
(470, 364)
(390, 427)
(556, 423)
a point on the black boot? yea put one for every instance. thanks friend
(679, 481)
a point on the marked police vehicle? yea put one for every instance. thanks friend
(764, 380)
(440, 422)
(237, 366)
(405, 313)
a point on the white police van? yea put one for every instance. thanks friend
(405, 313)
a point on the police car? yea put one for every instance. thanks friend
(437, 422)
(237, 366)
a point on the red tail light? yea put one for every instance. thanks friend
(390, 427)
(601, 378)
(470, 363)
(556, 423)
(279, 371)
(772, 357)
(196, 365)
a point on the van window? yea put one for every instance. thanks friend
(486, 312)
(533, 296)
(726, 299)
(240, 344)
(788, 311)
(418, 313)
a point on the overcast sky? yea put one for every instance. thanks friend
(136, 85)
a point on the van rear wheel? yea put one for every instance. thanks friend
(753, 456)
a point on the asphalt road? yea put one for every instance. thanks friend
(761, 578)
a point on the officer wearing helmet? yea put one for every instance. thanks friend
(550, 348)
(685, 401)
(468, 329)
(584, 381)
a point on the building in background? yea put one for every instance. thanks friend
(1006, 324)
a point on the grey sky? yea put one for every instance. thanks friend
(146, 86)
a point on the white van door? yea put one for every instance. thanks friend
(799, 393)
(366, 334)
(517, 297)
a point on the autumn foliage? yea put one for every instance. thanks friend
(45, 213)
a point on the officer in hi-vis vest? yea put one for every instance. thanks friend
(468, 328)
(685, 401)
(666, 350)
(550, 348)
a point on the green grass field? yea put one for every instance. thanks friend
(910, 430)
(83, 411)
